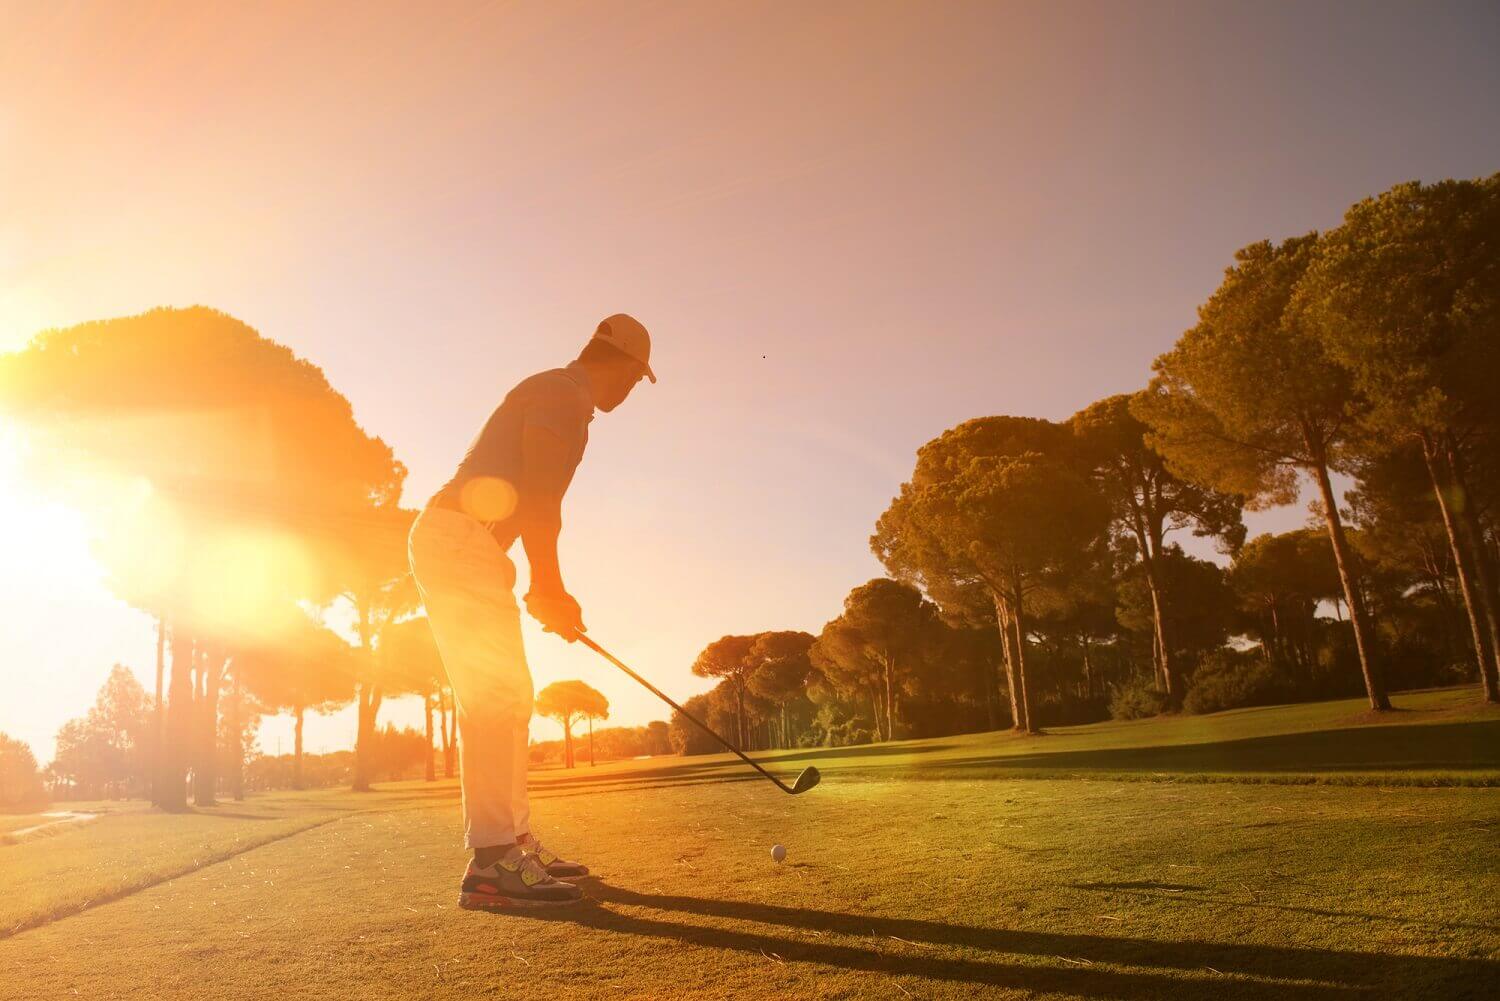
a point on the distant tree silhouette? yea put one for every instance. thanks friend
(1279, 580)
(568, 702)
(20, 782)
(686, 736)
(1201, 615)
(411, 663)
(878, 643)
(999, 502)
(304, 666)
(729, 658)
(1146, 502)
(780, 676)
(106, 753)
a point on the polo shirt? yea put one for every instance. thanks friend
(487, 483)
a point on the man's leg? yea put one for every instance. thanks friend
(465, 582)
(520, 810)
(488, 776)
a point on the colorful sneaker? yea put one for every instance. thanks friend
(517, 881)
(556, 866)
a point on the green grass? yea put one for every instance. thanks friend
(949, 868)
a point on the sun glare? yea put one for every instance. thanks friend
(44, 541)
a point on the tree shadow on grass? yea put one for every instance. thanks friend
(1469, 746)
(1221, 971)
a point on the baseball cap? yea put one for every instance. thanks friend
(625, 333)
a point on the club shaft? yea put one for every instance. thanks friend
(586, 641)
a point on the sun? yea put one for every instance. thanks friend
(45, 543)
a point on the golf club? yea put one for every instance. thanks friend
(805, 780)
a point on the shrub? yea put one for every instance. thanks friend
(1229, 680)
(1136, 699)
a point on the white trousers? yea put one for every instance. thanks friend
(466, 582)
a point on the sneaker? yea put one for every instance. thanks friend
(517, 881)
(556, 866)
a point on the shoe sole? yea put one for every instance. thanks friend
(492, 902)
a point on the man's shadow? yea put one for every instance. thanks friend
(933, 949)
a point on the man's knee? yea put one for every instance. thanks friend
(500, 712)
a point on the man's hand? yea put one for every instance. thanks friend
(558, 613)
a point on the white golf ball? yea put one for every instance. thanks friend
(778, 852)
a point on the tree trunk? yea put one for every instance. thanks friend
(237, 776)
(1088, 671)
(1002, 618)
(1169, 680)
(1277, 653)
(361, 739)
(989, 681)
(1017, 618)
(206, 771)
(158, 710)
(890, 698)
(567, 742)
(739, 715)
(297, 749)
(431, 773)
(1364, 642)
(172, 792)
(1471, 534)
(446, 720)
(1463, 564)
(368, 696)
(591, 742)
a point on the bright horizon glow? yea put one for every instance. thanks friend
(848, 227)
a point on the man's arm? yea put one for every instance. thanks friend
(547, 464)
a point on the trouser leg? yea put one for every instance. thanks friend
(465, 581)
(494, 785)
(520, 802)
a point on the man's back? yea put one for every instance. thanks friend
(489, 477)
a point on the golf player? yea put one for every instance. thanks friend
(510, 485)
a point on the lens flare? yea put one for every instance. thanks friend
(488, 498)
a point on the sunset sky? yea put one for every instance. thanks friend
(848, 226)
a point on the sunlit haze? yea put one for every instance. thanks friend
(848, 227)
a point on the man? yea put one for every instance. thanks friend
(510, 484)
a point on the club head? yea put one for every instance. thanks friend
(806, 780)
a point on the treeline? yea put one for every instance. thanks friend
(394, 754)
(108, 753)
(609, 743)
(1035, 575)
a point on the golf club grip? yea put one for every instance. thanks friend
(588, 642)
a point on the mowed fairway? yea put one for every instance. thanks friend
(1280, 853)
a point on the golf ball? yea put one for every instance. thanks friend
(778, 852)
